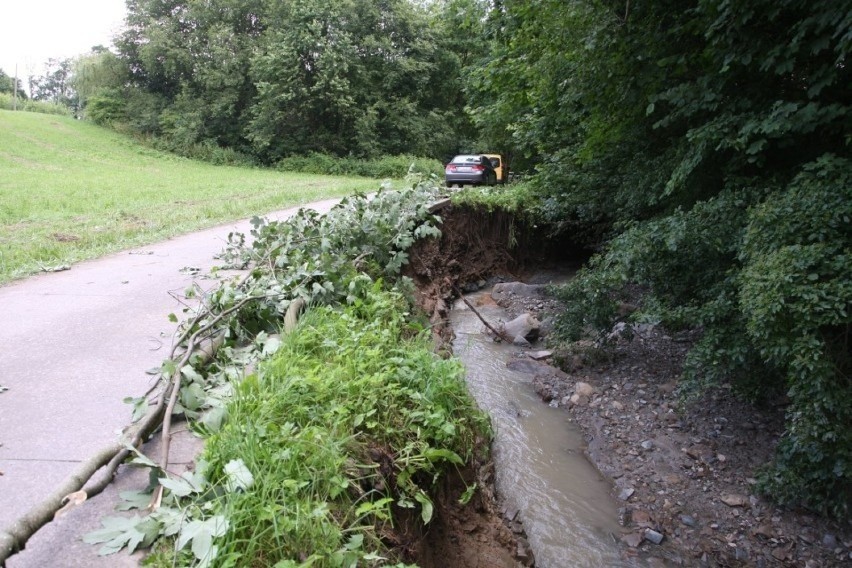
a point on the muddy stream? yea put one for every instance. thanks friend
(564, 503)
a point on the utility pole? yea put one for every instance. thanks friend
(15, 97)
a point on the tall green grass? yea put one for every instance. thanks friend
(70, 191)
(353, 419)
(8, 102)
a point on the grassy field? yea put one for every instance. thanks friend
(70, 191)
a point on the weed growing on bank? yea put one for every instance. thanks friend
(352, 420)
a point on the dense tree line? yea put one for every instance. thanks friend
(707, 142)
(273, 79)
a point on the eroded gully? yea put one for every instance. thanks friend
(564, 503)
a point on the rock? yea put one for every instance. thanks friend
(734, 500)
(633, 539)
(539, 355)
(647, 445)
(641, 517)
(521, 341)
(525, 325)
(653, 536)
(617, 405)
(527, 366)
(829, 540)
(688, 520)
(579, 400)
(584, 389)
(504, 292)
(546, 327)
(626, 493)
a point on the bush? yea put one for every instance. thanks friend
(796, 299)
(106, 108)
(28, 105)
(379, 168)
(204, 151)
(766, 273)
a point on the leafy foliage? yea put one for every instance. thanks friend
(29, 105)
(350, 418)
(707, 143)
(8, 85)
(274, 79)
(343, 394)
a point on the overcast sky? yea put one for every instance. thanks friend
(33, 31)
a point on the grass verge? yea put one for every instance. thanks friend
(71, 191)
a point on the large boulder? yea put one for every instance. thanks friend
(504, 292)
(523, 329)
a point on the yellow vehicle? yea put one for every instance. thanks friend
(501, 168)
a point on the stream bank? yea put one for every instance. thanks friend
(685, 474)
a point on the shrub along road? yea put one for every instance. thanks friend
(75, 344)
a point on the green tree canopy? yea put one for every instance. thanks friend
(7, 85)
(277, 78)
(708, 142)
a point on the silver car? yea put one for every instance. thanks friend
(475, 169)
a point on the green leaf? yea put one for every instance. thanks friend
(438, 454)
(178, 486)
(355, 542)
(190, 373)
(468, 494)
(118, 532)
(140, 407)
(193, 397)
(271, 346)
(214, 418)
(239, 476)
(168, 368)
(133, 500)
(426, 506)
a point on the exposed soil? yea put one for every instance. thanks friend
(685, 474)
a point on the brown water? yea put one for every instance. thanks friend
(565, 504)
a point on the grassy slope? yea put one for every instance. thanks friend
(71, 191)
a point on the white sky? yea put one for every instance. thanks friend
(33, 31)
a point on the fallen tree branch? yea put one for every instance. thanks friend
(13, 539)
(175, 381)
(496, 332)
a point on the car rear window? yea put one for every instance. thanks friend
(467, 160)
